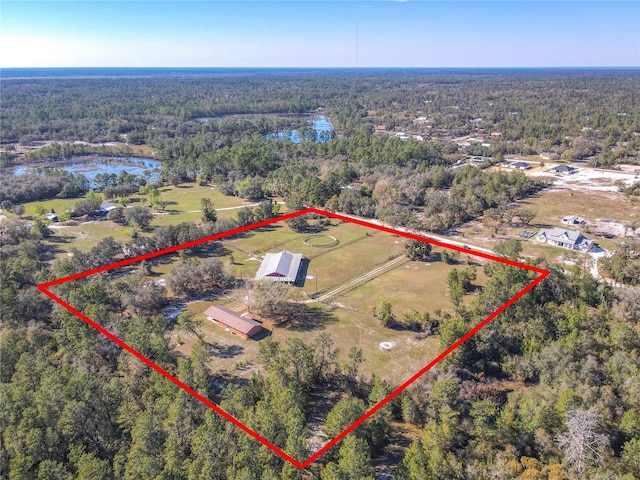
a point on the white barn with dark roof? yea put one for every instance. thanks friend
(280, 267)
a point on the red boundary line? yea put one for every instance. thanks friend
(43, 287)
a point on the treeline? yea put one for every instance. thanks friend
(46, 184)
(64, 151)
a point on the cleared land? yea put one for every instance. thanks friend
(348, 317)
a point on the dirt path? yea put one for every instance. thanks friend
(361, 279)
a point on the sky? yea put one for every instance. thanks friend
(372, 33)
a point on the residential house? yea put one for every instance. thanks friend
(569, 239)
(518, 165)
(564, 169)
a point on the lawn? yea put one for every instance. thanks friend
(184, 206)
(359, 250)
(415, 285)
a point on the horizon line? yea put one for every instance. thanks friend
(317, 67)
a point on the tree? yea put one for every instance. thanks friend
(40, 210)
(39, 228)
(510, 249)
(631, 456)
(117, 215)
(581, 444)
(384, 313)
(88, 206)
(245, 216)
(208, 211)
(354, 461)
(264, 211)
(456, 287)
(343, 414)
(190, 278)
(417, 250)
(138, 216)
(269, 297)
(525, 215)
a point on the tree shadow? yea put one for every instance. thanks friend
(300, 317)
(225, 351)
(61, 239)
(267, 228)
(264, 333)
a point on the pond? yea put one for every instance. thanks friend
(91, 166)
(321, 129)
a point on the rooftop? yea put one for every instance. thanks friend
(232, 319)
(280, 267)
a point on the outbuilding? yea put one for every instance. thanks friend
(280, 267)
(231, 321)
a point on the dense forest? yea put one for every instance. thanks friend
(578, 114)
(549, 390)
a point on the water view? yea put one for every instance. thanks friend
(94, 165)
(320, 130)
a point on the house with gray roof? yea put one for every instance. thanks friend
(573, 220)
(280, 267)
(518, 165)
(569, 239)
(565, 169)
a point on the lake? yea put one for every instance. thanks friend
(322, 131)
(93, 165)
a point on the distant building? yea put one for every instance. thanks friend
(381, 128)
(518, 165)
(106, 207)
(280, 267)
(573, 220)
(479, 159)
(496, 135)
(231, 321)
(566, 169)
(569, 239)
(549, 156)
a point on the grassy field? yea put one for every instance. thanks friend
(348, 317)
(551, 205)
(183, 206)
(359, 250)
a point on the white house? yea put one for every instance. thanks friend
(569, 239)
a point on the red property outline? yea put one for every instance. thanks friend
(45, 286)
